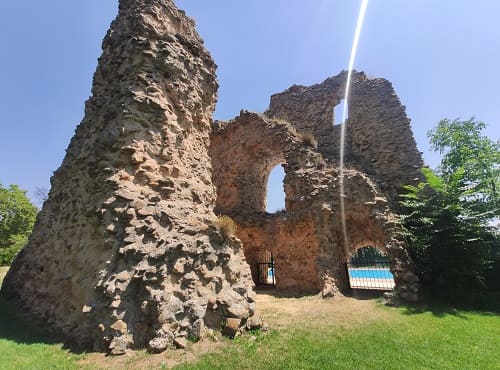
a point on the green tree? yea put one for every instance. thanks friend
(447, 217)
(465, 150)
(17, 217)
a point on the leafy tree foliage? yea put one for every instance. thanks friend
(17, 217)
(367, 255)
(476, 157)
(447, 220)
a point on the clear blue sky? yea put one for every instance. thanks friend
(443, 58)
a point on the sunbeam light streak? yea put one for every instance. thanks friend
(357, 33)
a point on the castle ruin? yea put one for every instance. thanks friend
(126, 253)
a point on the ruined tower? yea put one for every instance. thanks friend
(124, 253)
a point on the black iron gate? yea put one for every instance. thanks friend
(266, 271)
(369, 271)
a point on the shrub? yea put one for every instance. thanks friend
(227, 227)
(8, 254)
(447, 218)
(308, 139)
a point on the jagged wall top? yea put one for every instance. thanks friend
(379, 140)
(153, 19)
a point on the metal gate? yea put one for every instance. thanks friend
(368, 270)
(266, 271)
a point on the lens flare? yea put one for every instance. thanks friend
(357, 34)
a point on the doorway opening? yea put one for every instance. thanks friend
(369, 269)
(266, 269)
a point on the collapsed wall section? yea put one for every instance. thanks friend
(307, 240)
(379, 140)
(243, 153)
(310, 110)
(124, 252)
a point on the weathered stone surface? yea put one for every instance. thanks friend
(255, 322)
(232, 327)
(180, 342)
(197, 330)
(161, 342)
(125, 246)
(379, 140)
(118, 346)
(306, 239)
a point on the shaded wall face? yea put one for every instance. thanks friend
(380, 138)
(243, 154)
(381, 157)
(311, 109)
(294, 247)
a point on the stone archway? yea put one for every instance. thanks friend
(244, 151)
(368, 267)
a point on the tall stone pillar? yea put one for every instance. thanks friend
(124, 252)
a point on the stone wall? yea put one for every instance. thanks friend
(379, 140)
(310, 109)
(307, 239)
(244, 152)
(293, 245)
(124, 253)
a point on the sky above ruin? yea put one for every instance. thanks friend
(442, 58)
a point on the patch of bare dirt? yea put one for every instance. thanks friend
(142, 360)
(313, 311)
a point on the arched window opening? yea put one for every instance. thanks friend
(369, 268)
(338, 112)
(275, 198)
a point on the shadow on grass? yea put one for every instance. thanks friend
(273, 292)
(17, 328)
(365, 294)
(20, 328)
(290, 293)
(437, 309)
(488, 305)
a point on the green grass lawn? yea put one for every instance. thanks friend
(420, 340)
(23, 346)
(400, 339)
